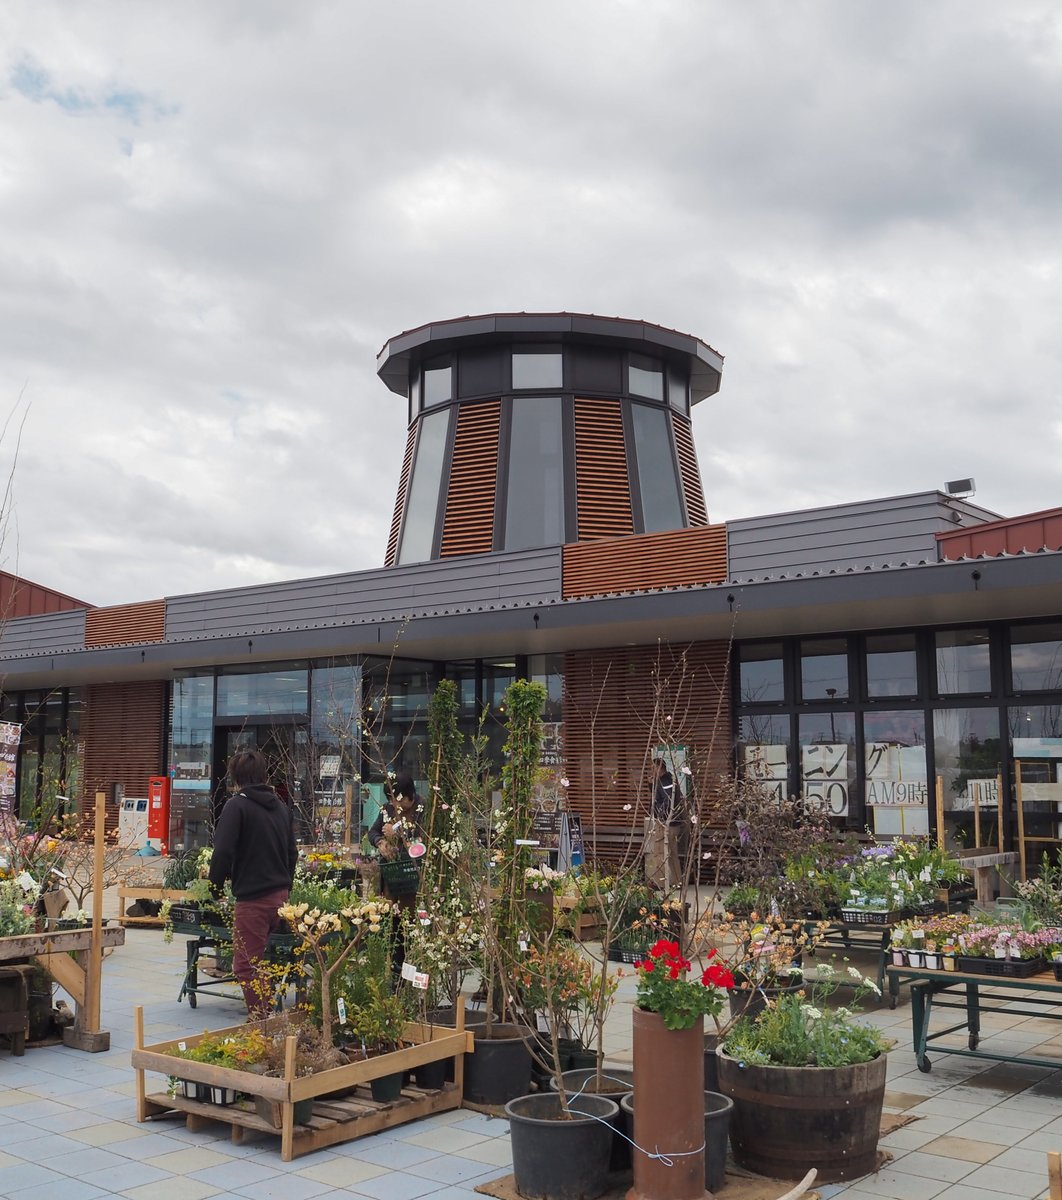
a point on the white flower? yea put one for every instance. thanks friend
(814, 1013)
(626, 808)
(565, 783)
(686, 771)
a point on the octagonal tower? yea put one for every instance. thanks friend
(539, 429)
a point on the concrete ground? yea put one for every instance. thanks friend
(68, 1128)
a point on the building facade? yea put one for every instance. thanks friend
(899, 658)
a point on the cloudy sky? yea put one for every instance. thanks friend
(215, 212)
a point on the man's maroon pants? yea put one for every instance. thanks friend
(253, 922)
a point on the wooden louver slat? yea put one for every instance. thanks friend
(603, 489)
(696, 511)
(468, 527)
(121, 624)
(122, 735)
(617, 702)
(400, 499)
(676, 558)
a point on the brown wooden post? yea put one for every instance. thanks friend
(1021, 820)
(999, 812)
(940, 812)
(348, 810)
(287, 1109)
(977, 816)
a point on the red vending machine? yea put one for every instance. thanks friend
(159, 811)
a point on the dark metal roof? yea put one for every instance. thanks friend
(704, 364)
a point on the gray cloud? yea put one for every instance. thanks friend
(216, 213)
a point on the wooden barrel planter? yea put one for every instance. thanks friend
(788, 1119)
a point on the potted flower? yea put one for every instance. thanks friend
(668, 1097)
(807, 1081)
(379, 1024)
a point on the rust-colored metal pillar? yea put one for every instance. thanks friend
(668, 1110)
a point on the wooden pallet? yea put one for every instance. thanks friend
(333, 1121)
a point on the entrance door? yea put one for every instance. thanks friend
(287, 762)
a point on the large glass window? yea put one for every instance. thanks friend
(761, 673)
(335, 705)
(828, 759)
(892, 665)
(191, 758)
(534, 509)
(677, 391)
(763, 750)
(964, 665)
(969, 758)
(824, 669)
(263, 692)
(1036, 743)
(1036, 657)
(657, 480)
(897, 787)
(645, 377)
(538, 370)
(422, 504)
(438, 383)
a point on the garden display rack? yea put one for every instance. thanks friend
(334, 1118)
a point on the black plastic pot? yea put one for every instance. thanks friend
(711, 1062)
(555, 1158)
(432, 1075)
(717, 1110)
(386, 1087)
(499, 1069)
(617, 1082)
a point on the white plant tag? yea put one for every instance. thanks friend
(409, 971)
(182, 1045)
(420, 980)
(528, 842)
(26, 881)
(341, 1005)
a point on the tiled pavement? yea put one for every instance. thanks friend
(68, 1128)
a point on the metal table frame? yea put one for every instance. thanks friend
(981, 994)
(214, 938)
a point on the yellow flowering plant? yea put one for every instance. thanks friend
(320, 932)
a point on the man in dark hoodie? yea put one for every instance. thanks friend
(254, 846)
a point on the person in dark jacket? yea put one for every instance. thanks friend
(254, 846)
(398, 824)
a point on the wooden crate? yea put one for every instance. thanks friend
(334, 1120)
(129, 894)
(585, 926)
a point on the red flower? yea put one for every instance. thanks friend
(718, 976)
(674, 971)
(664, 947)
(644, 965)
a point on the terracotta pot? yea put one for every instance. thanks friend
(788, 1119)
(668, 1109)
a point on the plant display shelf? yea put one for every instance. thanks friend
(129, 895)
(1035, 996)
(334, 1120)
(75, 963)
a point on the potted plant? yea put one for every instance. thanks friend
(669, 1093)
(807, 1081)
(379, 1023)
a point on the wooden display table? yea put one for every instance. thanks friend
(980, 994)
(79, 975)
(128, 895)
(334, 1120)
